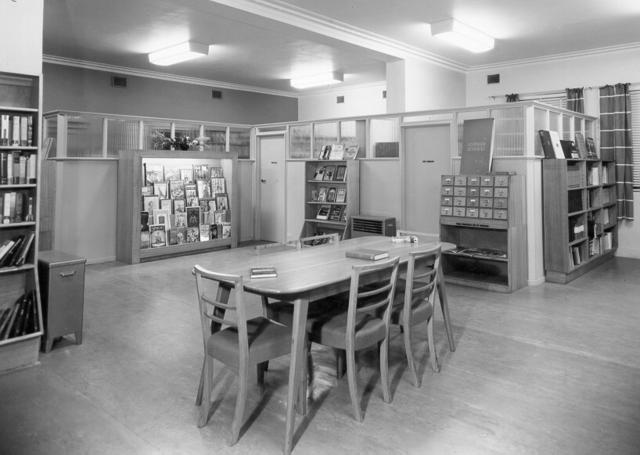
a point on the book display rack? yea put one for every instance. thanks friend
(580, 224)
(20, 307)
(175, 203)
(483, 216)
(332, 196)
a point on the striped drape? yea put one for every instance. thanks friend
(615, 138)
(575, 99)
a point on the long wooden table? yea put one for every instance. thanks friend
(304, 276)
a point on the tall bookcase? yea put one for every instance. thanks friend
(580, 224)
(19, 193)
(134, 167)
(332, 196)
(483, 215)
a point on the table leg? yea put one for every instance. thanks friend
(296, 366)
(442, 294)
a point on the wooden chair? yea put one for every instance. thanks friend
(365, 323)
(414, 302)
(440, 285)
(322, 239)
(239, 345)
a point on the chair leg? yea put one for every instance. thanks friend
(241, 403)
(353, 386)
(340, 362)
(409, 353)
(261, 368)
(201, 385)
(384, 369)
(432, 346)
(206, 379)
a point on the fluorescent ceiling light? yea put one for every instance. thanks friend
(179, 53)
(317, 80)
(461, 35)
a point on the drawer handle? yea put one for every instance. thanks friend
(67, 274)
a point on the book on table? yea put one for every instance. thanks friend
(263, 272)
(367, 253)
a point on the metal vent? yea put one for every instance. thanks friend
(216, 94)
(493, 79)
(118, 81)
(372, 225)
(340, 99)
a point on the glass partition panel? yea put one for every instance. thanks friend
(353, 133)
(84, 136)
(509, 127)
(324, 134)
(566, 127)
(384, 138)
(214, 139)
(122, 135)
(240, 141)
(157, 135)
(577, 126)
(540, 122)
(300, 142)
(51, 132)
(554, 122)
(186, 136)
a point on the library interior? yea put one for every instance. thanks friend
(248, 226)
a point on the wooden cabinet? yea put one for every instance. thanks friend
(483, 215)
(580, 225)
(332, 196)
(20, 310)
(213, 226)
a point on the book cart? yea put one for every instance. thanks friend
(332, 196)
(580, 216)
(20, 307)
(483, 216)
(139, 177)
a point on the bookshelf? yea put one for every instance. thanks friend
(331, 186)
(20, 307)
(483, 215)
(580, 225)
(171, 203)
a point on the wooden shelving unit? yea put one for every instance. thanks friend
(20, 100)
(315, 185)
(580, 216)
(131, 165)
(483, 216)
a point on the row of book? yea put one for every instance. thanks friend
(157, 236)
(332, 213)
(17, 167)
(330, 172)
(16, 207)
(325, 194)
(155, 172)
(16, 130)
(14, 251)
(339, 152)
(21, 318)
(554, 147)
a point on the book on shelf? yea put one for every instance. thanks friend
(207, 205)
(20, 257)
(222, 202)
(190, 191)
(186, 175)
(153, 173)
(201, 172)
(215, 230)
(593, 176)
(216, 172)
(581, 145)
(576, 256)
(157, 235)
(181, 235)
(335, 213)
(180, 220)
(179, 206)
(171, 174)
(176, 189)
(220, 216)
(166, 204)
(607, 241)
(5, 316)
(329, 172)
(203, 189)
(263, 272)
(4, 129)
(547, 145)
(351, 152)
(145, 239)
(324, 152)
(341, 173)
(5, 331)
(569, 149)
(341, 195)
(591, 148)
(331, 195)
(15, 130)
(161, 189)
(336, 152)
(150, 203)
(367, 253)
(204, 232)
(323, 212)
(314, 194)
(322, 194)
(193, 217)
(226, 230)
(162, 216)
(218, 185)
(146, 190)
(319, 173)
(557, 146)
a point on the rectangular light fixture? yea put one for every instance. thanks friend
(179, 53)
(461, 35)
(317, 80)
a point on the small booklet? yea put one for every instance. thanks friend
(367, 253)
(264, 272)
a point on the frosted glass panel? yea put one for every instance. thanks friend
(352, 132)
(509, 132)
(84, 136)
(51, 131)
(186, 136)
(239, 141)
(300, 142)
(566, 127)
(157, 135)
(122, 135)
(215, 138)
(324, 134)
(384, 138)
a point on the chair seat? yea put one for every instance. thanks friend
(330, 330)
(266, 341)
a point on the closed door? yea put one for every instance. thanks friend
(271, 152)
(427, 156)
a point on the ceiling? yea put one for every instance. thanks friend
(259, 45)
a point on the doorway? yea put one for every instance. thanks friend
(271, 211)
(427, 155)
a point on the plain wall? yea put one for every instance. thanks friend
(584, 71)
(361, 100)
(21, 36)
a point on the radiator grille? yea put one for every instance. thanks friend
(369, 225)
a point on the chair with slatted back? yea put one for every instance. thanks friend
(237, 342)
(365, 323)
(414, 302)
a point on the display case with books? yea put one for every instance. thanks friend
(170, 203)
(20, 308)
(580, 225)
(331, 196)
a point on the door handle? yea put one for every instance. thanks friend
(263, 180)
(428, 161)
(274, 162)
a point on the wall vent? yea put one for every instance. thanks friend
(340, 99)
(216, 94)
(493, 79)
(118, 81)
(384, 94)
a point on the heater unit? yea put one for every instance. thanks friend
(372, 225)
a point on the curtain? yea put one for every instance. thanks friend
(575, 99)
(615, 138)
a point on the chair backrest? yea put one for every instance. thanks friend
(371, 297)
(422, 277)
(215, 302)
(315, 240)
